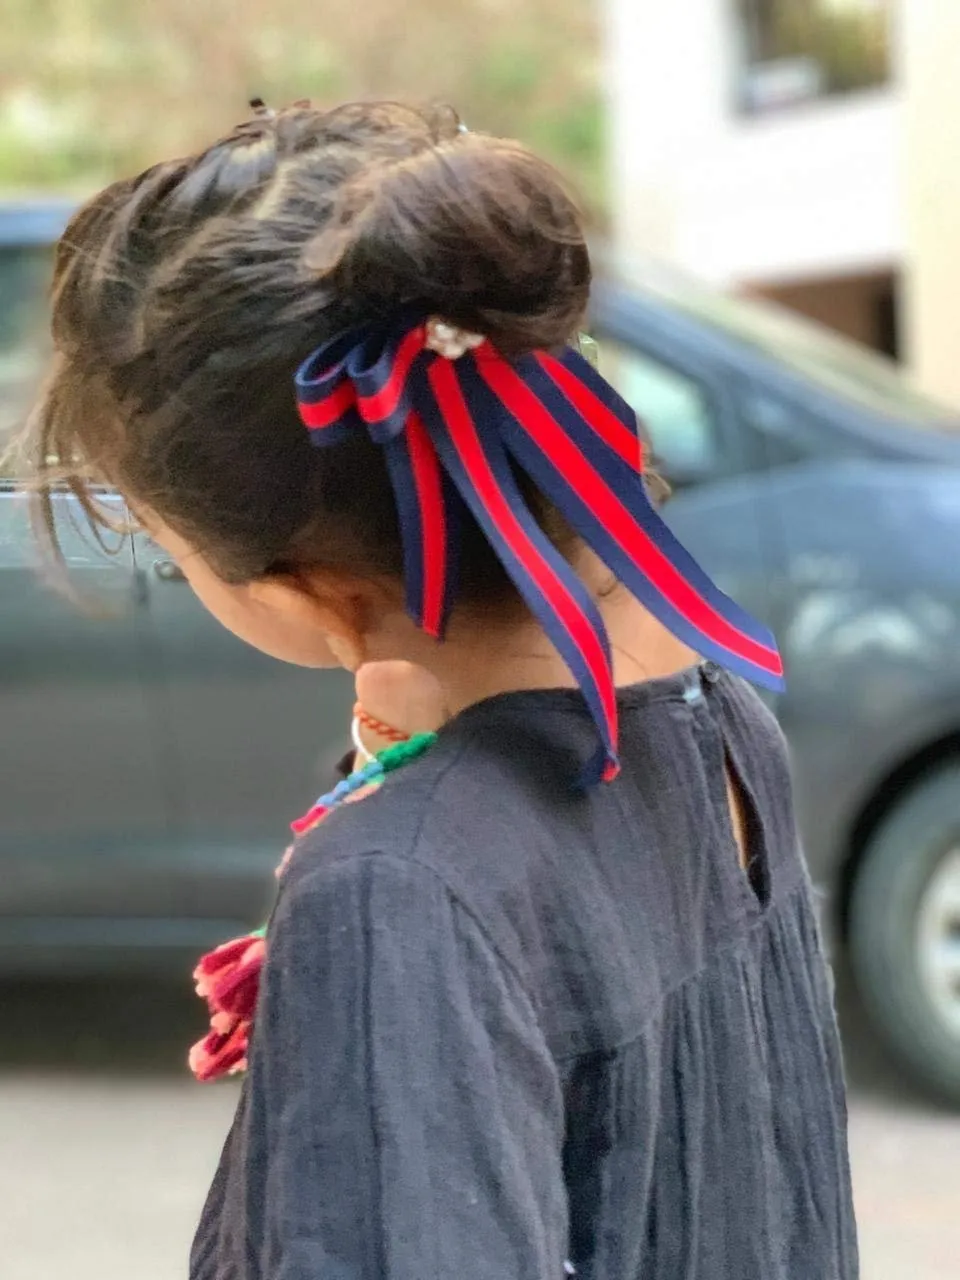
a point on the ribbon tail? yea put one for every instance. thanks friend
(590, 475)
(427, 510)
(480, 468)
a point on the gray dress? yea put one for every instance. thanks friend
(509, 1029)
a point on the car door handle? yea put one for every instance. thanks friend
(169, 571)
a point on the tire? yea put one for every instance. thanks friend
(899, 868)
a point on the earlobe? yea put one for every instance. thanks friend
(349, 650)
(319, 623)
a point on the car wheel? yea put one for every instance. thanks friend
(904, 937)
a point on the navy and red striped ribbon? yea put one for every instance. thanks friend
(453, 431)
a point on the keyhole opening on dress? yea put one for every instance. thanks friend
(747, 832)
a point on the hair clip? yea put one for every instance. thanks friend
(588, 349)
(449, 341)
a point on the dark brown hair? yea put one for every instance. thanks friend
(185, 299)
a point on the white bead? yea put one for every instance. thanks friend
(449, 341)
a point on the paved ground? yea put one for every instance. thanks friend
(105, 1147)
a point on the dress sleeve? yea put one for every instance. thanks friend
(412, 1111)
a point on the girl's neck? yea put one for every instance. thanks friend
(502, 661)
(486, 654)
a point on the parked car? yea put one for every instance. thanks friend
(150, 761)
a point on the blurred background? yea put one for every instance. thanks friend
(776, 206)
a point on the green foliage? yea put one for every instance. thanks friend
(90, 89)
(511, 73)
(575, 135)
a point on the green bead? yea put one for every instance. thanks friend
(401, 754)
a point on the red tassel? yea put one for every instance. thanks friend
(229, 977)
(216, 960)
(221, 1053)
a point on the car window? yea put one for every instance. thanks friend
(788, 433)
(24, 278)
(833, 363)
(673, 407)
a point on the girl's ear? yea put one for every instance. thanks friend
(310, 619)
(313, 621)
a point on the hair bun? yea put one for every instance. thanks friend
(478, 229)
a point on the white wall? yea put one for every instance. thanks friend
(737, 199)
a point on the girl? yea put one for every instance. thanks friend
(552, 997)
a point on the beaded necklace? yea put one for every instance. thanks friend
(228, 978)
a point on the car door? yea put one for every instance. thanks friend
(248, 742)
(868, 612)
(690, 413)
(83, 817)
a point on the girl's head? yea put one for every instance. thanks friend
(221, 320)
(186, 298)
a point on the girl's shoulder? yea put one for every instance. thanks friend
(451, 822)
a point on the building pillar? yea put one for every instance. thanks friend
(929, 52)
(669, 89)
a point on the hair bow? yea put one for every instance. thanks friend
(453, 426)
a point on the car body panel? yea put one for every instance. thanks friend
(80, 796)
(869, 627)
(247, 742)
(150, 763)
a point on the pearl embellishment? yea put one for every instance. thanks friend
(449, 341)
